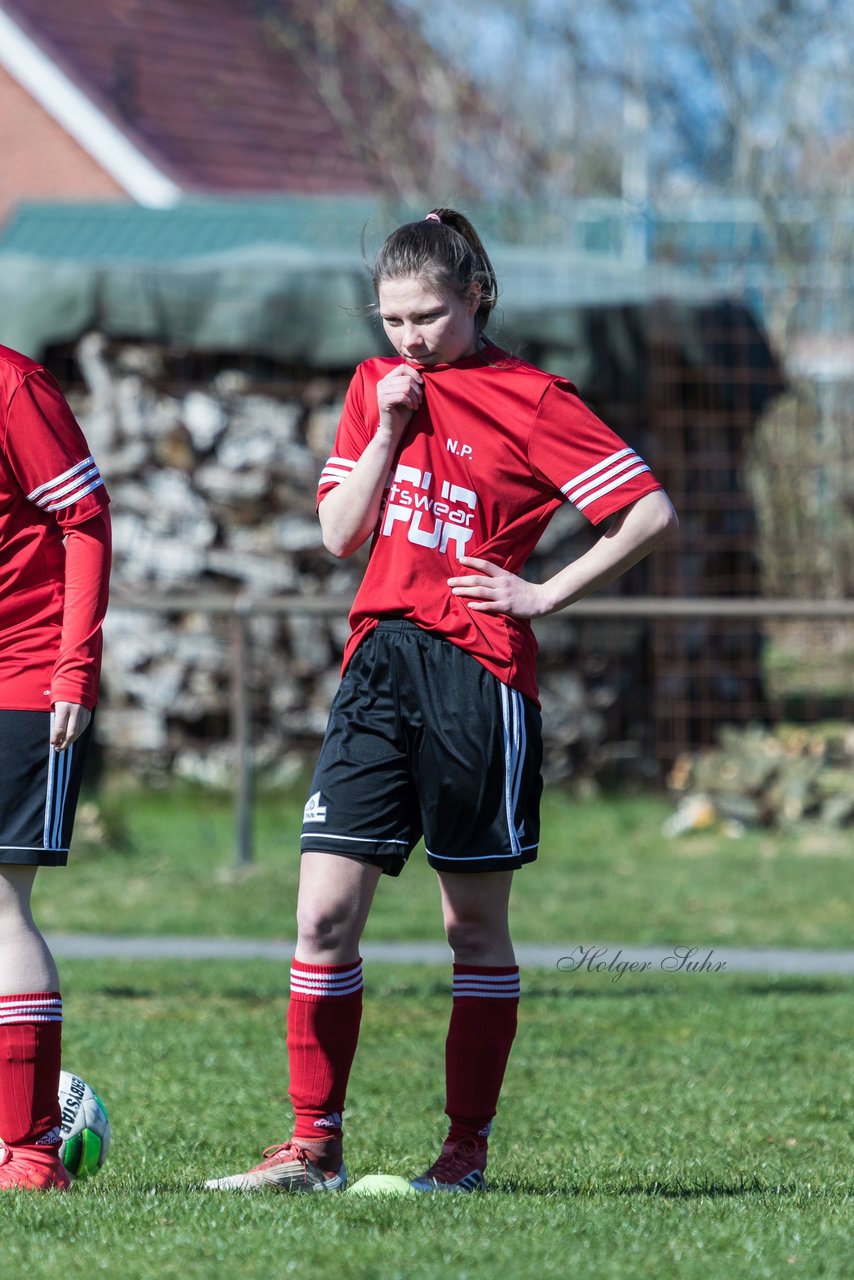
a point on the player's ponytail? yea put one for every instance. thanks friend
(444, 249)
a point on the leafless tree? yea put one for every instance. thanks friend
(528, 104)
(415, 118)
(653, 103)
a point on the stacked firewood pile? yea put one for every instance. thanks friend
(213, 485)
(756, 777)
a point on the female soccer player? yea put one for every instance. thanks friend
(54, 576)
(451, 456)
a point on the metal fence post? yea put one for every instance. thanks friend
(241, 718)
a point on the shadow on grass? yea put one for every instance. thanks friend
(785, 986)
(128, 993)
(654, 1190)
(604, 989)
(707, 1190)
(681, 987)
(246, 997)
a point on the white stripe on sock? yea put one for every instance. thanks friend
(490, 986)
(342, 983)
(29, 1010)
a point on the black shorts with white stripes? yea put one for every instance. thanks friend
(39, 787)
(423, 740)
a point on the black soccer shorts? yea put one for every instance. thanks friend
(39, 787)
(423, 740)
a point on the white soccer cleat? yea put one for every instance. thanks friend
(288, 1167)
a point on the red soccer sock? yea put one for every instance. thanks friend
(324, 1016)
(30, 1056)
(480, 1037)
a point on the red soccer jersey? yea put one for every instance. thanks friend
(493, 450)
(50, 486)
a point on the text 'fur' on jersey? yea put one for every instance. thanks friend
(430, 521)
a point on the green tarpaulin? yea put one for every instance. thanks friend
(300, 306)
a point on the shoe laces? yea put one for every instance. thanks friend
(298, 1154)
(291, 1149)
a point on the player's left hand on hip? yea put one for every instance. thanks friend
(70, 720)
(491, 589)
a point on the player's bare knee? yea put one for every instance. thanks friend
(322, 928)
(319, 932)
(470, 939)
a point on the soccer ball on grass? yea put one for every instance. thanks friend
(85, 1127)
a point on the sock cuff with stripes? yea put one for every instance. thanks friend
(314, 982)
(491, 982)
(30, 1059)
(31, 1006)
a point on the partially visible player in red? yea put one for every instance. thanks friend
(54, 578)
(451, 456)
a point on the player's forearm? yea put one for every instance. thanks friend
(87, 575)
(349, 512)
(633, 535)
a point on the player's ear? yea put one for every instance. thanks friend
(472, 297)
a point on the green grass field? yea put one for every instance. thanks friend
(605, 872)
(693, 1126)
(688, 1127)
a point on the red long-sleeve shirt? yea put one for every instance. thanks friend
(54, 545)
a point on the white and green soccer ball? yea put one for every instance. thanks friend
(85, 1127)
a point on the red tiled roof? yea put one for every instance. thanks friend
(204, 89)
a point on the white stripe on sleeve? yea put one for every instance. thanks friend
(609, 474)
(60, 479)
(615, 484)
(68, 488)
(335, 470)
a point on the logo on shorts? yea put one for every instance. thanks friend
(314, 811)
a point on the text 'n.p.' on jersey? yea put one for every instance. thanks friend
(49, 483)
(488, 457)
